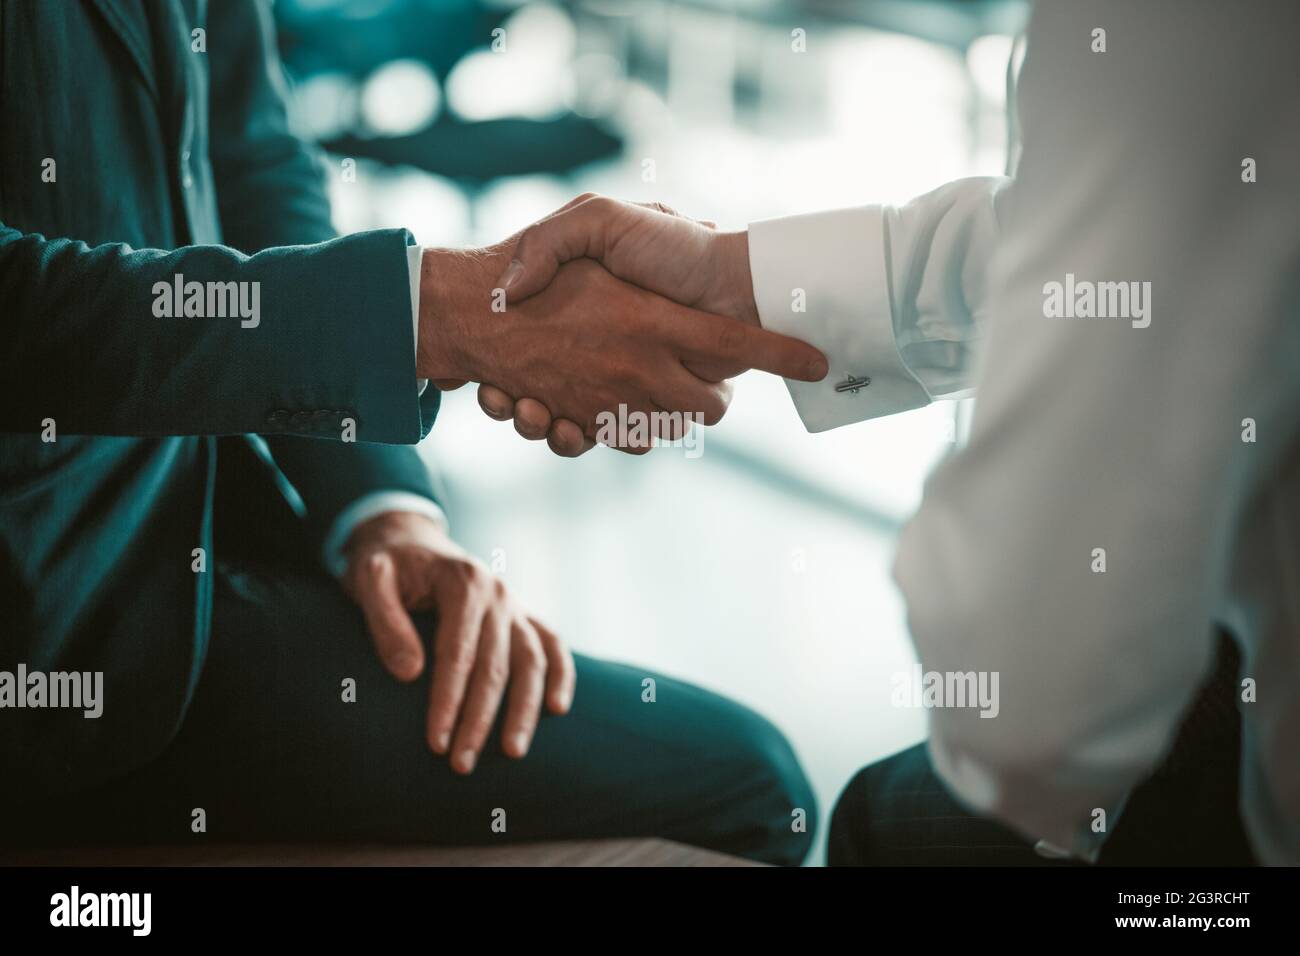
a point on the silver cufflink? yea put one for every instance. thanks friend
(852, 384)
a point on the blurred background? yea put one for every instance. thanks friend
(759, 567)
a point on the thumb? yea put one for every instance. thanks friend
(544, 246)
(591, 227)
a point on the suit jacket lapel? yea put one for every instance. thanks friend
(126, 19)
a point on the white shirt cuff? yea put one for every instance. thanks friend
(414, 258)
(824, 278)
(365, 508)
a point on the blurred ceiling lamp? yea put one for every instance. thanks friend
(399, 98)
(598, 85)
(325, 106)
(527, 74)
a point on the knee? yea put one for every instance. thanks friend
(847, 844)
(781, 805)
(896, 812)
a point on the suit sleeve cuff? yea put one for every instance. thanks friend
(824, 278)
(365, 508)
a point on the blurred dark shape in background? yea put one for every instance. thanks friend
(478, 152)
(349, 46)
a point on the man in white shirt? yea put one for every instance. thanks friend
(1127, 309)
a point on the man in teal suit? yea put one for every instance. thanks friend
(206, 394)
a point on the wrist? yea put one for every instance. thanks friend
(455, 296)
(736, 284)
(391, 527)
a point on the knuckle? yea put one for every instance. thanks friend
(592, 211)
(529, 654)
(496, 673)
(455, 657)
(473, 574)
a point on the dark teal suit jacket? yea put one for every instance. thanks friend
(166, 160)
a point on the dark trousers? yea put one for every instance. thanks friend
(898, 813)
(271, 752)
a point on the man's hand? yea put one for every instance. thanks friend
(649, 246)
(399, 562)
(589, 342)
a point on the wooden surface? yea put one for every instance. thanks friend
(572, 853)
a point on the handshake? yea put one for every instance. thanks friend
(602, 304)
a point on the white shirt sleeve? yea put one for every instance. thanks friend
(365, 508)
(893, 296)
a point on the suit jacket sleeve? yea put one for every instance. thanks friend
(270, 192)
(87, 347)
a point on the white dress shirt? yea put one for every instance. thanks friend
(1093, 433)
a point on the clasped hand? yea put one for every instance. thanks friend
(602, 305)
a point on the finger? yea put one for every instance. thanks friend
(395, 636)
(448, 384)
(455, 650)
(532, 419)
(629, 436)
(496, 403)
(560, 673)
(486, 687)
(567, 440)
(668, 426)
(711, 338)
(527, 688)
(713, 371)
(544, 246)
(637, 448)
(692, 398)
